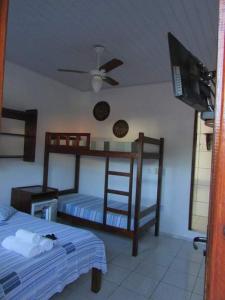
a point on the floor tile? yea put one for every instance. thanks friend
(147, 245)
(162, 244)
(151, 270)
(170, 244)
(180, 280)
(140, 284)
(82, 279)
(114, 242)
(201, 273)
(84, 292)
(113, 246)
(116, 274)
(124, 294)
(111, 254)
(126, 261)
(191, 254)
(64, 295)
(196, 297)
(199, 286)
(164, 249)
(168, 292)
(157, 257)
(171, 260)
(185, 266)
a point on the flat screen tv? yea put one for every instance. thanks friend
(190, 77)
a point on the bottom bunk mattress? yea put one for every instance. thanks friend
(76, 252)
(91, 208)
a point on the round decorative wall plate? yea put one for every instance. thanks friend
(101, 110)
(120, 128)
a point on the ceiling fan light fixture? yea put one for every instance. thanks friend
(96, 83)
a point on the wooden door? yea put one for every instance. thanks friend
(215, 262)
(3, 26)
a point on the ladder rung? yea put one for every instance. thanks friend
(117, 192)
(117, 211)
(119, 173)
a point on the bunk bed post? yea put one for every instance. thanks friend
(46, 162)
(138, 193)
(130, 194)
(77, 173)
(159, 187)
(106, 190)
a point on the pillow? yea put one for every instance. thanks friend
(6, 212)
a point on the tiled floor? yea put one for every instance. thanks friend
(165, 269)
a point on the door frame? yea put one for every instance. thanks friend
(194, 145)
(4, 5)
(215, 259)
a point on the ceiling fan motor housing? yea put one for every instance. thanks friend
(96, 83)
(100, 73)
(99, 49)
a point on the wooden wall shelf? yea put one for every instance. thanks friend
(11, 156)
(30, 119)
(12, 134)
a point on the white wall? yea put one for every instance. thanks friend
(55, 103)
(150, 108)
(154, 110)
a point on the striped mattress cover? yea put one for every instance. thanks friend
(76, 252)
(91, 208)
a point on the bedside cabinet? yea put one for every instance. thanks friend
(36, 200)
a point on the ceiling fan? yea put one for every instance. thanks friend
(99, 74)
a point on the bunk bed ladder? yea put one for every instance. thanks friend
(107, 191)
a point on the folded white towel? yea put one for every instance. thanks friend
(15, 244)
(28, 236)
(46, 244)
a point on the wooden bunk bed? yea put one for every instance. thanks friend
(70, 143)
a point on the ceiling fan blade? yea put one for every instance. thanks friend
(72, 71)
(110, 65)
(110, 80)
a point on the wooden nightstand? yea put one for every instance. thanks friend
(35, 200)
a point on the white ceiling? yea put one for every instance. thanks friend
(44, 35)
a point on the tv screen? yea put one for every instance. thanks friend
(190, 77)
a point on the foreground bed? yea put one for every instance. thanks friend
(77, 251)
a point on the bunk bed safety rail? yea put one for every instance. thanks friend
(147, 140)
(75, 140)
(147, 211)
(152, 141)
(150, 146)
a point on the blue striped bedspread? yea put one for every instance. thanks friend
(75, 253)
(91, 208)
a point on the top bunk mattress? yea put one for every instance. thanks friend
(76, 252)
(91, 208)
